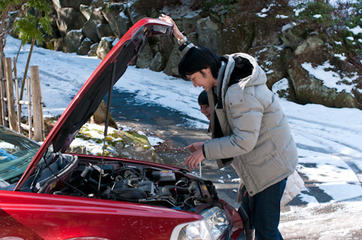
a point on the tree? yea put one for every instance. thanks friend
(6, 6)
(32, 26)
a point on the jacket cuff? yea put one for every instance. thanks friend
(203, 150)
(184, 48)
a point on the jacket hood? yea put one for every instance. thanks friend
(257, 76)
(101, 81)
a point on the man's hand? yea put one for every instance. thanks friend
(176, 31)
(195, 146)
(196, 156)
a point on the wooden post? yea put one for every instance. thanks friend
(2, 104)
(36, 99)
(10, 95)
(18, 110)
(30, 122)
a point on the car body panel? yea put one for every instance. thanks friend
(71, 217)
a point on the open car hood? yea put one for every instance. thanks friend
(85, 103)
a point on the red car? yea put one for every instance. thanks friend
(48, 194)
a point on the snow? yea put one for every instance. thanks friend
(328, 139)
(155, 140)
(342, 57)
(356, 30)
(330, 78)
(281, 16)
(288, 26)
(282, 84)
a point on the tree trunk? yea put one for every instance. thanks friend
(26, 69)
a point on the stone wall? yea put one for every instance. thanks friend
(282, 44)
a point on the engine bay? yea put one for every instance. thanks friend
(65, 174)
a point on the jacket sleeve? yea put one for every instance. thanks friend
(246, 114)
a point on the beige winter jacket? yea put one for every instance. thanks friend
(256, 132)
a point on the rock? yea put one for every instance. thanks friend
(292, 37)
(208, 33)
(55, 44)
(105, 45)
(84, 47)
(99, 116)
(104, 30)
(309, 89)
(86, 11)
(68, 19)
(72, 41)
(157, 63)
(78, 149)
(90, 27)
(116, 18)
(70, 3)
(311, 44)
(93, 50)
(97, 15)
(189, 22)
(145, 57)
(137, 10)
(172, 63)
(90, 30)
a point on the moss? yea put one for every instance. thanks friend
(137, 138)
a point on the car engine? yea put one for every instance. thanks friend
(123, 181)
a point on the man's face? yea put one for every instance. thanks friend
(205, 109)
(203, 79)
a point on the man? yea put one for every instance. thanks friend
(204, 104)
(248, 127)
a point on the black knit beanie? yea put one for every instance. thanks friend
(202, 99)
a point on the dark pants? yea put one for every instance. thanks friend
(263, 210)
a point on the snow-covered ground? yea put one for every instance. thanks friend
(329, 140)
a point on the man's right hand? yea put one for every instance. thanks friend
(194, 146)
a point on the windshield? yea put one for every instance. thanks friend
(16, 152)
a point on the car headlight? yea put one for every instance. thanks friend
(211, 227)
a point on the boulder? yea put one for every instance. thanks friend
(309, 89)
(56, 44)
(145, 57)
(189, 22)
(173, 61)
(99, 116)
(70, 3)
(105, 45)
(90, 27)
(84, 47)
(93, 50)
(68, 19)
(157, 63)
(90, 30)
(292, 37)
(312, 43)
(104, 30)
(115, 15)
(208, 33)
(137, 10)
(86, 11)
(72, 40)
